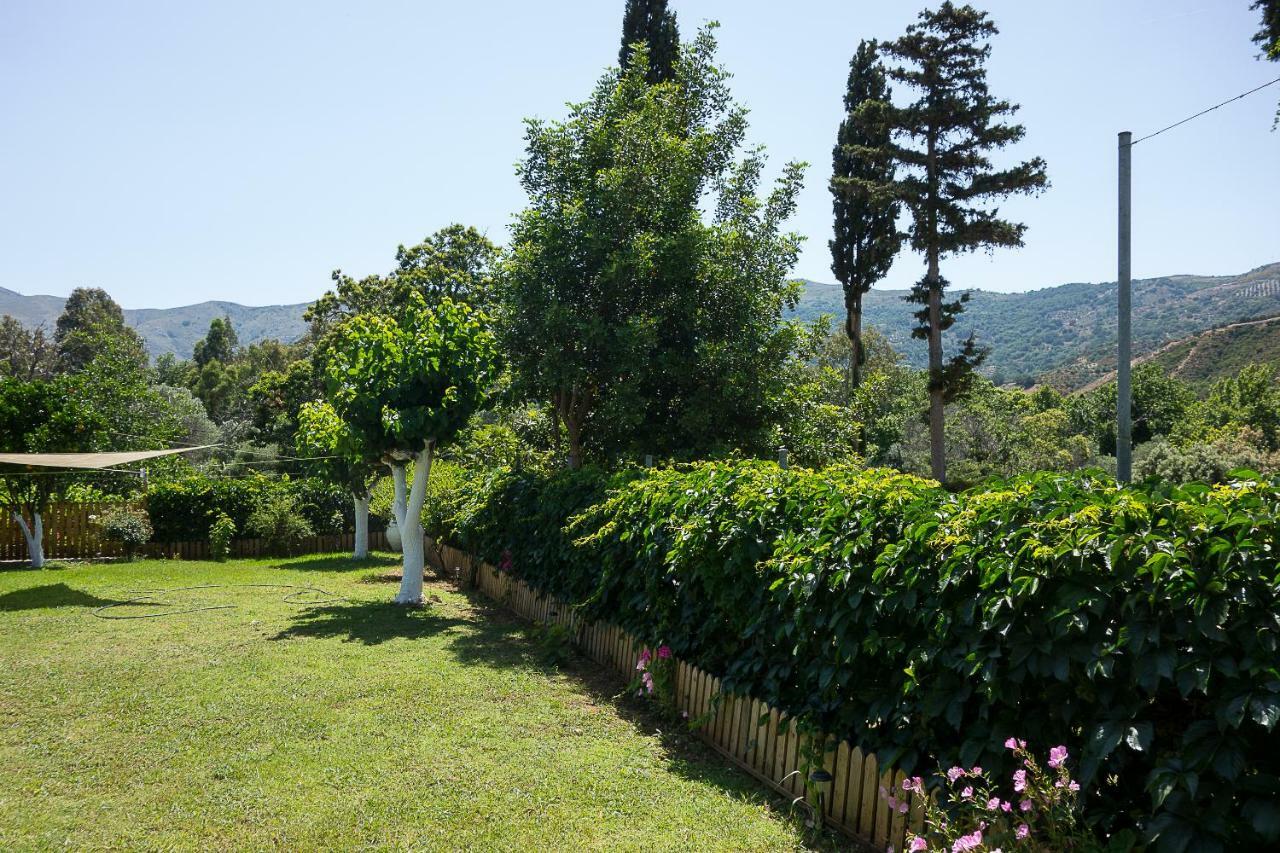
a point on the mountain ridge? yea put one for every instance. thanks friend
(1067, 330)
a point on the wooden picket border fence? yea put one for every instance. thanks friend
(71, 532)
(746, 731)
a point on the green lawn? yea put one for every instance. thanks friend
(282, 722)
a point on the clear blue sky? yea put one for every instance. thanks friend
(177, 152)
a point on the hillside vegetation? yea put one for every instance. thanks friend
(1070, 328)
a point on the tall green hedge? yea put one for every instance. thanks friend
(1139, 625)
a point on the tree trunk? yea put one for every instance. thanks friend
(937, 430)
(35, 538)
(857, 355)
(575, 442)
(398, 501)
(411, 538)
(361, 506)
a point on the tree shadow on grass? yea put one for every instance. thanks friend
(368, 622)
(335, 563)
(52, 595)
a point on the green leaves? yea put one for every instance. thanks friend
(878, 607)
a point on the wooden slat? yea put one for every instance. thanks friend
(870, 796)
(880, 837)
(838, 799)
(898, 819)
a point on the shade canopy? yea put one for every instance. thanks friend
(89, 461)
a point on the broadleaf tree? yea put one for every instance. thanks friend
(866, 237)
(647, 328)
(338, 455)
(942, 142)
(41, 416)
(403, 385)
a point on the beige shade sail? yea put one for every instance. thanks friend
(90, 461)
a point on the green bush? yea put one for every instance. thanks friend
(279, 521)
(221, 532)
(184, 509)
(1141, 622)
(128, 526)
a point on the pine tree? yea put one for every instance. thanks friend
(1268, 35)
(866, 234)
(650, 22)
(942, 142)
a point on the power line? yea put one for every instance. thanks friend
(1202, 112)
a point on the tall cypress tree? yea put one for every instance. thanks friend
(650, 22)
(942, 142)
(866, 234)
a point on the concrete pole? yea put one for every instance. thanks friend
(1124, 389)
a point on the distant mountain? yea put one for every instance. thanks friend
(1069, 329)
(174, 330)
(1067, 332)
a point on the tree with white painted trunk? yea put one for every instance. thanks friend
(338, 455)
(41, 416)
(404, 385)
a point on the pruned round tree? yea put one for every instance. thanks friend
(404, 385)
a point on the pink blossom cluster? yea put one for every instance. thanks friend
(642, 666)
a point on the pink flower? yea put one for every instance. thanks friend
(976, 771)
(1025, 805)
(664, 652)
(1075, 786)
(967, 842)
(915, 783)
(918, 843)
(1011, 743)
(902, 807)
(1057, 755)
(1019, 780)
(955, 773)
(993, 803)
(648, 682)
(967, 792)
(1006, 806)
(1023, 830)
(892, 801)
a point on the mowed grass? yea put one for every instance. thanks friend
(280, 720)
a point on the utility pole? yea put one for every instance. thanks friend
(1124, 390)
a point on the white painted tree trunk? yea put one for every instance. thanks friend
(398, 501)
(411, 538)
(361, 550)
(35, 538)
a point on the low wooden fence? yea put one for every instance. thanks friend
(746, 731)
(71, 531)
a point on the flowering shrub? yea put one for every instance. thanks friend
(1037, 811)
(656, 677)
(1140, 621)
(130, 527)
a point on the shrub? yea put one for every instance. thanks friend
(278, 521)
(1143, 622)
(128, 526)
(184, 509)
(221, 532)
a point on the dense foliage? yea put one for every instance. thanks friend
(184, 509)
(926, 625)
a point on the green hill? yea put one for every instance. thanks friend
(1203, 358)
(1069, 330)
